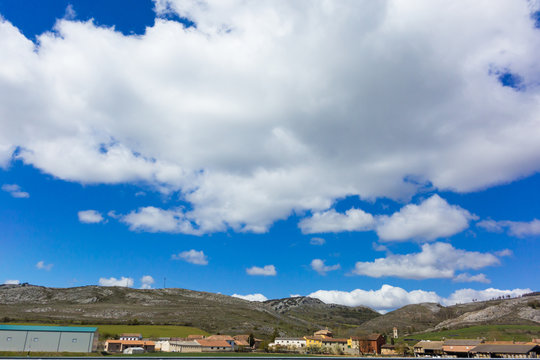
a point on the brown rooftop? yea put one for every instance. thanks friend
(210, 343)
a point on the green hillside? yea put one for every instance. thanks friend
(489, 332)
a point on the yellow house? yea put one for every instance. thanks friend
(313, 341)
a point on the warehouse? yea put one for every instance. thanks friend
(48, 338)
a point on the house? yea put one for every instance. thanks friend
(290, 342)
(388, 349)
(121, 345)
(428, 348)
(131, 336)
(229, 339)
(48, 338)
(506, 350)
(332, 345)
(185, 346)
(324, 333)
(367, 344)
(214, 345)
(313, 341)
(459, 347)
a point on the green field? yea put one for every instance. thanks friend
(489, 332)
(147, 331)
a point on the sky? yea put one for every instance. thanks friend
(364, 153)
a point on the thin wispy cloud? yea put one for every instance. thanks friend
(15, 191)
(43, 266)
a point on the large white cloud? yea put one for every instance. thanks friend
(147, 281)
(431, 219)
(12, 282)
(392, 297)
(273, 107)
(437, 260)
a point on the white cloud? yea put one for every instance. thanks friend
(465, 277)
(438, 260)
(319, 266)
(146, 282)
(332, 221)
(112, 281)
(70, 12)
(505, 252)
(391, 297)
(42, 266)
(387, 297)
(12, 282)
(267, 270)
(514, 228)
(15, 191)
(192, 256)
(467, 295)
(431, 219)
(317, 241)
(90, 216)
(153, 219)
(251, 297)
(249, 127)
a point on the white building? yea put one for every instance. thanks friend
(289, 342)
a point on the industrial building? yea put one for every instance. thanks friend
(25, 338)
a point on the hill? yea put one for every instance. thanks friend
(213, 313)
(435, 317)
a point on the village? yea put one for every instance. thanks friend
(323, 342)
(72, 339)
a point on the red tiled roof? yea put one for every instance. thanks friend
(220, 337)
(195, 336)
(214, 343)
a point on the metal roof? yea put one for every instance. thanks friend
(506, 348)
(47, 328)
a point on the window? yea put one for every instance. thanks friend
(74, 340)
(9, 338)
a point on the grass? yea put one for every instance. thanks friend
(147, 331)
(489, 332)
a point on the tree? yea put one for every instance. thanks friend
(275, 334)
(251, 340)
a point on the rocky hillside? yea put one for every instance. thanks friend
(210, 312)
(432, 317)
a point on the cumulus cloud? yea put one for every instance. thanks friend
(332, 221)
(112, 281)
(12, 282)
(90, 216)
(249, 127)
(267, 270)
(514, 228)
(433, 218)
(15, 191)
(317, 241)
(391, 297)
(146, 282)
(152, 219)
(251, 297)
(438, 260)
(465, 277)
(319, 266)
(192, 256)
(42, 266)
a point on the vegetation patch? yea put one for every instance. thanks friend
(487, 332)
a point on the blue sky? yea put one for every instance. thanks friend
(242, 150)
